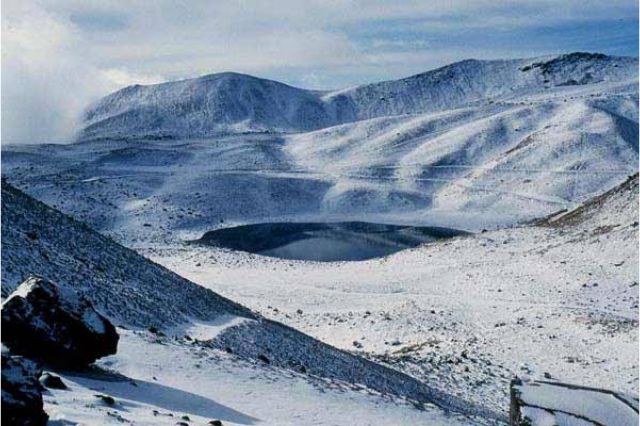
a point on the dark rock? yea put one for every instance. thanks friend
(154, 330)
(105, 398)
(264, 359)
(52, 381)
(215, 423)
(55, 325)
(21, 392)
(185, 417)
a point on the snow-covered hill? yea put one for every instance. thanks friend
(231, 103)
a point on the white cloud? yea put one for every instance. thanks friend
(46, 78)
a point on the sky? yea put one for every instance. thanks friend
(58, 56)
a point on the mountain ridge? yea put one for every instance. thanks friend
(231, 102)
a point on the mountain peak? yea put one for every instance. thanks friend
(231, 102)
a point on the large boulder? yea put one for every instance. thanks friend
(21, 392)
(55, 325)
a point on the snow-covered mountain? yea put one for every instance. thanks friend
(230, 102)
(474, 144)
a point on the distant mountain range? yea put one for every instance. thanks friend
(232, 103)
(472, 145)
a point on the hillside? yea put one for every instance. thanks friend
(139, 294)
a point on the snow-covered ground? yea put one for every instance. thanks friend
(158, 381)
(231, 102)
(492, 155)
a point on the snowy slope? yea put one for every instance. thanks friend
(230, 102)
(136, 293)
(205, 385)
(216, 103)
(465, 82)
(468, 168)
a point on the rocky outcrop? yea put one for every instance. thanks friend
(55, 325)
(21, 392)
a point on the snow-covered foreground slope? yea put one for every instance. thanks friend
(158, 381)
(469, 313)
(136, 293)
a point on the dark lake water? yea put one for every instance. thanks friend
(325, 242)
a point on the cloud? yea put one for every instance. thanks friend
(46, 78)
(60, 55)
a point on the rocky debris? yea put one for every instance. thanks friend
(215, 423)
(21, 392)
(52, 381)
(108, 400)
(55, 325)
(541, 402)
(156, 331)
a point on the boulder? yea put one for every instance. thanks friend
(55, 325)
(51, 381)
(21, 392)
